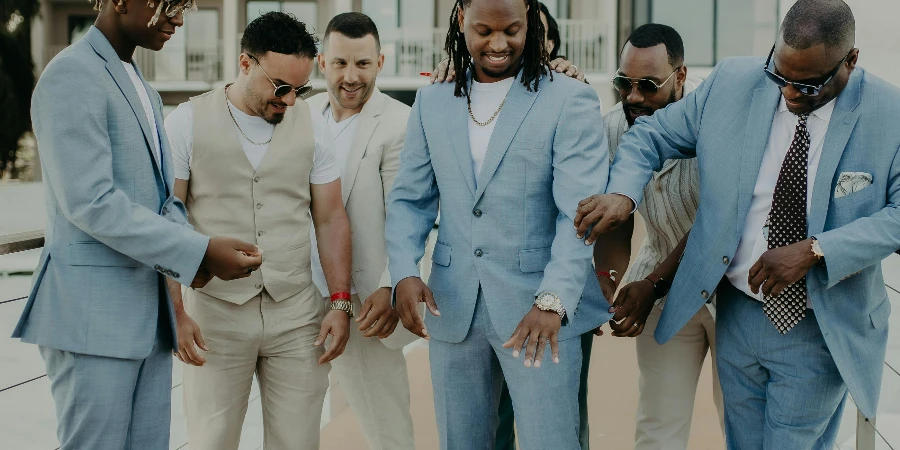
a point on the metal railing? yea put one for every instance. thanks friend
(867, 433)
(192, 64)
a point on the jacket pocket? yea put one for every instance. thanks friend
(881, 313)
(534, 260)
(97, 254)
(441, 254)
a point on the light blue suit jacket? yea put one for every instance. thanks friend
(511, 233)
(113, 223)
(725, 124)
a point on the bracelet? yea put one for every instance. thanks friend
(610, 274)
(340, 296)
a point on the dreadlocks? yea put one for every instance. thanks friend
(170, 6)
(535, 58)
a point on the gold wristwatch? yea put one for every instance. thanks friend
(343, 305)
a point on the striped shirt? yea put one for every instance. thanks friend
(670, 201)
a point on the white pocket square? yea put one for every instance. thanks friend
(850, 182)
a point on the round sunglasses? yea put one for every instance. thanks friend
(284, 89)
(648, 87)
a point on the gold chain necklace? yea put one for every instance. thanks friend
(228, 107)
(496, 113)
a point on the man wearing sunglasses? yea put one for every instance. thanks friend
(652, 76)
(250, 164)
(799, 203)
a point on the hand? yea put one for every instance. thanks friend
(605, 212)
(201, 278)
(189, 339)
(377, 317)
(411, 291)
(632, 307)
(563, 66)
(443, 72)
(537, 327)
(781, 267)
(337, 324)
(230, 259)
(608, 287)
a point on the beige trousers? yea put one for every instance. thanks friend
(273, 340)
(668, 381)
(375, 381)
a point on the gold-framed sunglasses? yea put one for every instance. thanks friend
(646, 86)
(283, 89)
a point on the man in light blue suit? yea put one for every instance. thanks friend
(99, 309)
(506, 152)
(799, 203)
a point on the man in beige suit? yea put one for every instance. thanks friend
(249, 164)
(368, 129)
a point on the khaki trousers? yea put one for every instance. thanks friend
(668, 381)
(375, 381)
(274, 341)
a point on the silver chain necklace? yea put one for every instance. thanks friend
(228, 107)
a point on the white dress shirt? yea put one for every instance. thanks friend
(753, 240)
(486, 98)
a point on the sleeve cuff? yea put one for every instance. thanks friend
(630, 198)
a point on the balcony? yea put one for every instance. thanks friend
(407, 52)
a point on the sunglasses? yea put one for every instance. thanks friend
(284, 89)
(171, 8)
(649, 87)
(805, 89)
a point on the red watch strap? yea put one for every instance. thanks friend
(654, 278)
(601, 273)
(340, 296)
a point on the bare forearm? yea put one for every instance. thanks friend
(612, 251)
(333, 236)
(669, 266)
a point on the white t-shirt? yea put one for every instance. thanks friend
(145, 102)
(753, 240)
(486, 98)
(342, 134)
(180, 124)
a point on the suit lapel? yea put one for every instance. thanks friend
(518, 103)
(756, 139)
(840, 127)
(117, 70)
(458, 135)
(368, 121)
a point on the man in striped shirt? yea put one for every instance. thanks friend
(653, 75)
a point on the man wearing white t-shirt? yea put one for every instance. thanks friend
(248, 164)
(368, 129)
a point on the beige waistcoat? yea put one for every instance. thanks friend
(268, 206)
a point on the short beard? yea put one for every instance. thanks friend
(673, 97)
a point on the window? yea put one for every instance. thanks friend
(194, 52)
(712, 29)
(306, 12)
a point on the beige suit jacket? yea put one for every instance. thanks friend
(371, 167)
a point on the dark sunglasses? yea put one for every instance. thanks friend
(284, 89)
(624, 84)
(805, 89)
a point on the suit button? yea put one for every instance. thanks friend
(165, 211)
(176, 275)
(477, 213)
(259, 206)
(705, 295)
(478, 253)
(256, 179)
(258, 286)
(157, 267)
(260, 233)
(725, 260)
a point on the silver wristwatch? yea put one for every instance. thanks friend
(548, 301)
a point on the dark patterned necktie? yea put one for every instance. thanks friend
(787, 225)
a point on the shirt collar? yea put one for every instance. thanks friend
(823, 113)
